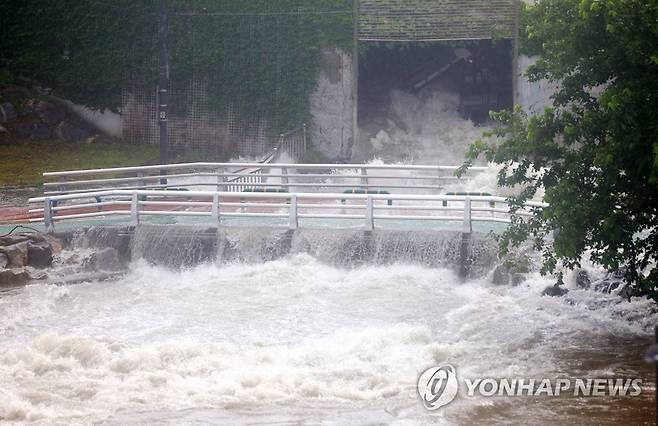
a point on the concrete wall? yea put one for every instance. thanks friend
(532, 96)
(332, 106)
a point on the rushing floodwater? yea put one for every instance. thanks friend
(297, 342)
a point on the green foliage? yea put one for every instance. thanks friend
(595, 152)
(261, 56)
(82, 49)
(23, 162)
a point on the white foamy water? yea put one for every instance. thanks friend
(296, 341)
(424, 129)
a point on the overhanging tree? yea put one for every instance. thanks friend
(595, 152)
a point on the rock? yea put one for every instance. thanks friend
(39, 255)
(40, 132)
(56, 245)
(32, 129)
(607, 286)
(517, 278)
(501, 275)
(554, 291)
(582, 279)
(4, 261)
(12, 239)
(48, 112)
(18, 93)
(7, 112)
(627, 292)
(36, 237)
(5, 136)
(12, 277)
(505, 275)
(103, 139)
(16, 253)
(38, 275)
(106, 259)
(68, 132)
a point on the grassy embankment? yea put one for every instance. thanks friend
(22, 163)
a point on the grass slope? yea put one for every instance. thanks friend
(22, 163)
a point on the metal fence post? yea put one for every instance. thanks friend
(294, 223)
(468, 225)
(284, 178)
(134, 208)
(215, 208)
(48, 215)
(140, 181)
(220, 179)
(364, 172)
(370, 217)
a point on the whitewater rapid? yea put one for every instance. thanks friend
(294, 340)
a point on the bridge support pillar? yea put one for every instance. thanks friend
(48, 215)
(134, 209)
(294, 223)
(370, 217)
(215, 208)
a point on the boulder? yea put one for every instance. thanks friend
(5, 136)
(501, 275)
(505, 275)
(8, 240)
(554, 291)
(49, 112)
(37, 275)
(607, 285)
(16, 253)
(56, 244)
(7, 112)
(39, 255)
(68, 132)
(32, 129)
(582, 279)
(517, 278)
(4, 261)
(12, 277)
(18, 93)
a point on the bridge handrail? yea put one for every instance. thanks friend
(263, 165)
(135, 199)
(236, 177)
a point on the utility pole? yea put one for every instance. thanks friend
(163, 89)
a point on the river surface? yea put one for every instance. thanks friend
(295, 341)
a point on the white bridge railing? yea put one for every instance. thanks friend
(368, 209)
(237, 177)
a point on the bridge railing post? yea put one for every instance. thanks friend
(220, 179)
(468, 223)
(294, 220)
(48, 215)
(140, 180)
(370, 217)
(134, 208)
(364, 179)
(284, 178)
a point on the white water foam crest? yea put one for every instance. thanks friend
(426, 130)
(288, 333)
